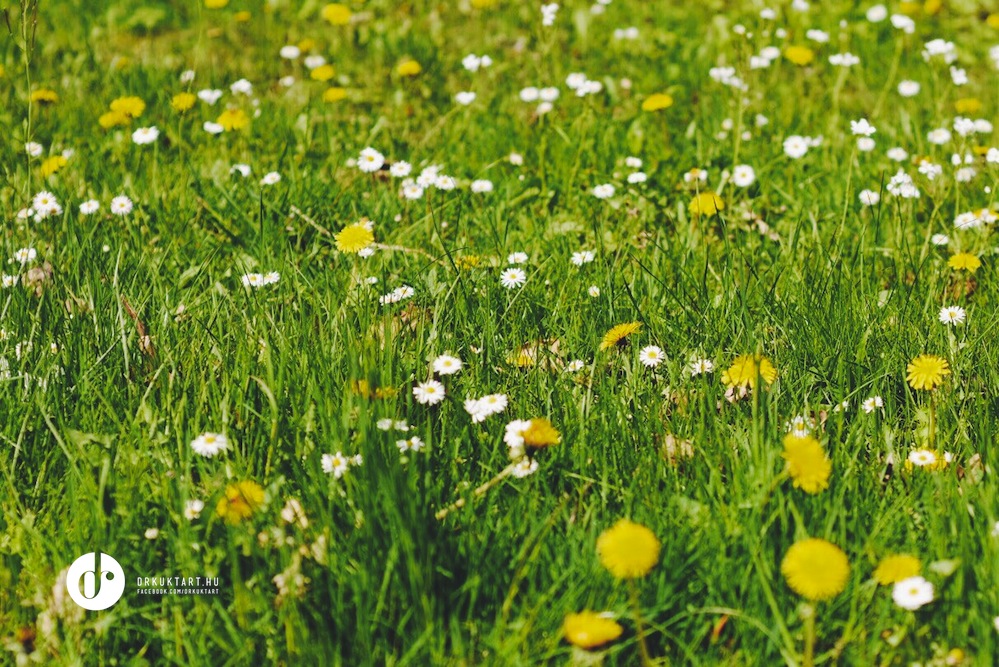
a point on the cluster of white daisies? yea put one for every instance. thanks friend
(255, 280)
(46, 205)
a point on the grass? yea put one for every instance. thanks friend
(97, 422)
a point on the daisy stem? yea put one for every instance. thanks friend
(639, 623)
(480, 491)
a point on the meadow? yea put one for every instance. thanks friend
(489, 332)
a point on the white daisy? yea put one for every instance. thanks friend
(400, 169)
(743, 176)
(912, 593)
(869, 197)
(952, 315)
(604, 191)
(862, 128)
(241, 87)
(524, 467)
(446, 364)
(430, 392)
(210, 444)
(871, 404)
(413, 444)
(192, 509)
(700, 367)
(209, 96)
(795, 146)
(145, 135)
(334, 464)
(25, 255)
(370, 160)
(512, 278)
(513, 437)
(651, 356)
(121, 205)
(922, 457)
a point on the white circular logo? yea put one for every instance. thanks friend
(103, 581)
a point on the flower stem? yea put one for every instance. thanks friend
(808, 660)
(643, 648)
(480, 491)
(933, 420)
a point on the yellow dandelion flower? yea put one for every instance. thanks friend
(336, 14)
(968, 105)
(745, 368)
(131, 106)
(815, 569)
(466, 262)
(589, 629)
(799, 55)
(931, 7)
(618, 334)
(2, 71)
(322, 73)
(628, 550)
(993, 21)
(45, 96)
(242, 17)
(240, 501)
(216, 4)
(113, 119)
(540, 434)
(927, 371)
(807, 463)
(409, 68)
(363, 388)
(657, 102)
(385, 392)
(306, 45)
(484, 4)
(964, 261)
(354, 238)
(706, 203)
(893, 569)
(334, 95)
(233, 119)
(52, 165)
(543, 353)
(182, 102)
